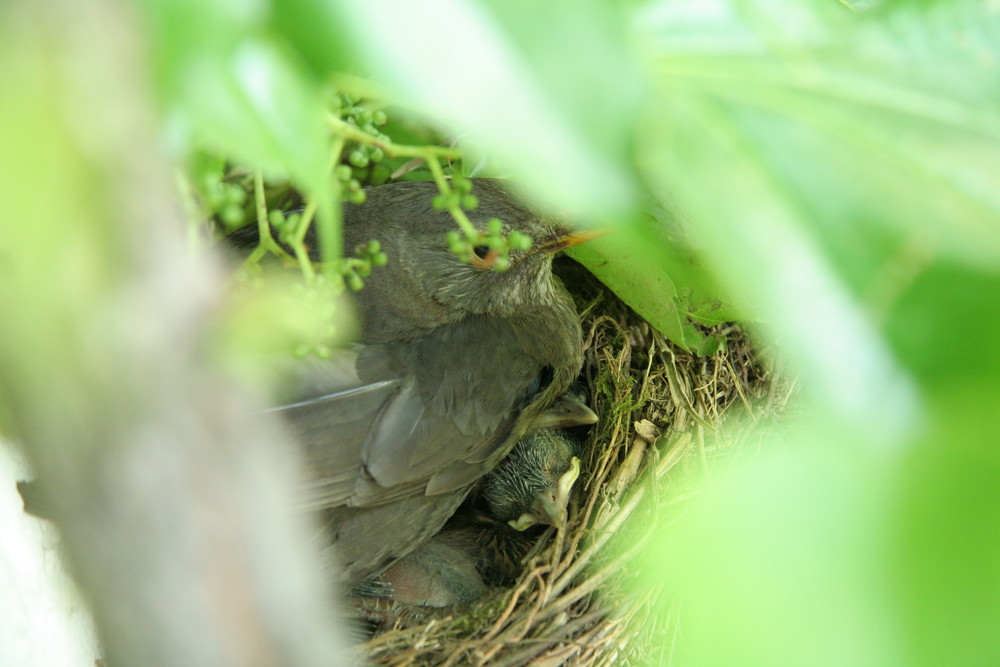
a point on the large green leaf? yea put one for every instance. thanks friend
(819, 163)
(227, 84)
(482, 71)
(658, 277)
(839, 168)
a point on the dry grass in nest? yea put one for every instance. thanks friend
(659, 409)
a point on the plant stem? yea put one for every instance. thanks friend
(354, 133)
(456, 211)
(265, 242)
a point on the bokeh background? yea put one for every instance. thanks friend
(825, 173)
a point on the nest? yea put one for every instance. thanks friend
(660, 409)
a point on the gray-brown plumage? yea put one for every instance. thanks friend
(455, 361)
(486, 541)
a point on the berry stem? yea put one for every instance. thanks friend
(353, 133)
(455, 209)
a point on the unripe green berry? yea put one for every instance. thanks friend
(380, 174)
(215, 199)
(231, 215)
(342, 172)
(235, 195)
(519, 241)
(358, 158)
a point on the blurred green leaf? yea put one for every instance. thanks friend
(783, 561)
(477, 76)
(838, 168)
(229, 87)
(846, 120)
(943, 325)
(946, 549)
(317, 33)
(811, 153)
(592, 35)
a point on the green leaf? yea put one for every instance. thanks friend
(813, 157)
(489, 78)
(658, 277)
(254, 105)
(228, 86)
(784, 554)
(650, 293)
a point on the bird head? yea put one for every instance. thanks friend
(418, 240)
(532, 485)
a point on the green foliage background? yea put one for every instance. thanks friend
(832, 170)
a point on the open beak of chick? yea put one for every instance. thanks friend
(550, 505)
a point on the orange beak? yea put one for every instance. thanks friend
(572, 239)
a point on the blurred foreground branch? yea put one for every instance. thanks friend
(171, 498)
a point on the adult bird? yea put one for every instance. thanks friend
(455, 361)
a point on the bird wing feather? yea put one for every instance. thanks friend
(411, 418)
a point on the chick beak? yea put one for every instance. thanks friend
(564, 241)
(550, 507)
(567, 412)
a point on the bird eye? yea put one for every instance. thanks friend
(481, 251)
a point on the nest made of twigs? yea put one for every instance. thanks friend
(659, 407)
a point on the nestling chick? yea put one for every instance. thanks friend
(532, 485)
(486, 539)
(441, 573)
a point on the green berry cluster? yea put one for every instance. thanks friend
(220, 199)
(490, 246)
(363, 160)
(366, 257)
(460, 196)
(318, 299)
(284, 224)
